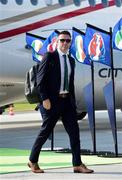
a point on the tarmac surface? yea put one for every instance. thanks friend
(33, 119)
(23, 125)
(102, 172)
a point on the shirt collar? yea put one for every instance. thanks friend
(61, 53)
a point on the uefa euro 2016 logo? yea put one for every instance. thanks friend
(118, 39)
(96, 48)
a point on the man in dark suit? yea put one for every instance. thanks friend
(55, 81)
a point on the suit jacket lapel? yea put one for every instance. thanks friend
(58, 67)
(71, 63)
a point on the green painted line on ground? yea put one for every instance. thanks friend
(19, 152)
(15, 160)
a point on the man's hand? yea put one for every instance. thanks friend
(47, 104)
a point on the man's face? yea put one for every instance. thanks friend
(64, 42)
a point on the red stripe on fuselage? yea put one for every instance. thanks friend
(51, 20)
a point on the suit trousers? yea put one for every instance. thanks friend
(64, 109)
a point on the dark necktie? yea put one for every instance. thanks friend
(66, 86)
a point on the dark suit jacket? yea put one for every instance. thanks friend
(49, 77)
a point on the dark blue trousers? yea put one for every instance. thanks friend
(62, 107)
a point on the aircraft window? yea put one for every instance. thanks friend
(77, 2)
(61, 2)
(19, 2)
(105, 3)
(4, 1)
(34, 2)
(92, 2)
(118, 3)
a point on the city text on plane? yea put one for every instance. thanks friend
(106, 72)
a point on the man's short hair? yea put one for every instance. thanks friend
(65, 32)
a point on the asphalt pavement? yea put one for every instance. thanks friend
(19, 131)
(102, 172)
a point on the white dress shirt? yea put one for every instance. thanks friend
(62, 70)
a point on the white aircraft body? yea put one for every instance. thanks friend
(41, 20)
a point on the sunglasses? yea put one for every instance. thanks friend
(65, 40)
